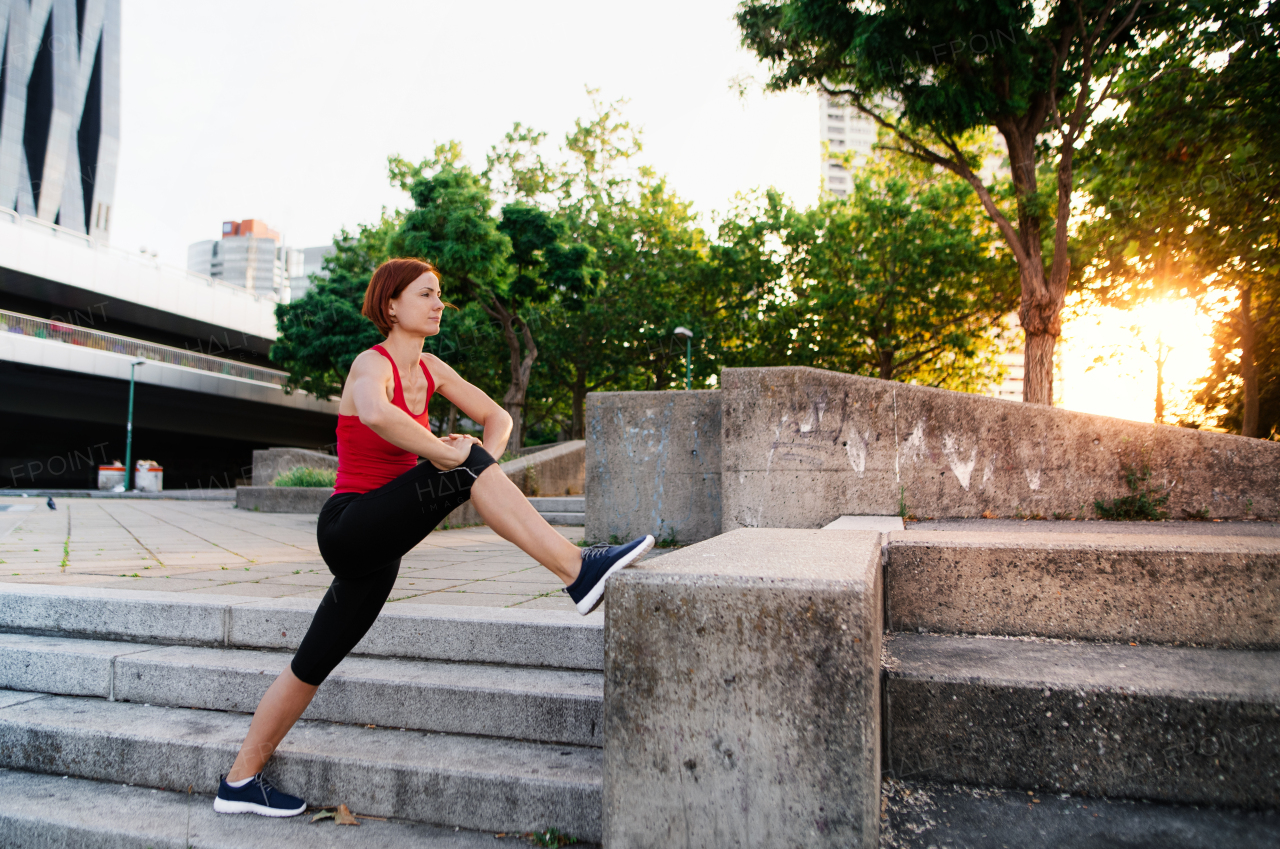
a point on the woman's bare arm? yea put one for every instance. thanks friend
(474, 404)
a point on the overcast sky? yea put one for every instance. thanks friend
(286, 110)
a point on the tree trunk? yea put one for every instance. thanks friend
(1248, 364)
(1043, 296)
(452, 424)
(521, 367)
(1037, 364)
(1161, 356)
(579, 428)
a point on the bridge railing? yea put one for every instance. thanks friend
(57, 331)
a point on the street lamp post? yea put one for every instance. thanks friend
(128, 440)
(687, 334)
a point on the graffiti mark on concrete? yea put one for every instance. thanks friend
(962, 469)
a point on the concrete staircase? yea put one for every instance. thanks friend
(1134, 666)
(1033, 685)
(481, 719)
(563, 510)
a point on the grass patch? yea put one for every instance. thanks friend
(307, 476)
(1144, 503)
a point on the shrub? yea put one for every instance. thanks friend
(307, 476)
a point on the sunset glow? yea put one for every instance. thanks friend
(1123, 383)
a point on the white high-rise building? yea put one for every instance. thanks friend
(843, 129)
(252, 255)
(60, 111)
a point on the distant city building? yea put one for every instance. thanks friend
(60, 111)
(844, 129)
(312, 263)
(252, 255)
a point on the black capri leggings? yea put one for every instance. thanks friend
(362, 537)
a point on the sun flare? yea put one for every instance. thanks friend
(1108, 357)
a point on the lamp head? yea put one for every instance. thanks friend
(684, 333)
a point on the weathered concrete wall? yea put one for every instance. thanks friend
(653, 465)
(271, 463)
(803, 446)
(555, 471)
(742, 694)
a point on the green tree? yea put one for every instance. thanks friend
(1184, 187)
(901, 280)
(322, 333)
(506, 266)
(1035, 71)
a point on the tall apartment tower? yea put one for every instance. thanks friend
(249, 254)
(843, 128)
(60, 110)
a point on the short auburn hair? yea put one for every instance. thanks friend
(388, 281)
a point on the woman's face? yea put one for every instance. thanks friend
(418, 308)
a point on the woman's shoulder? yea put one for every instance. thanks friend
(371, 361)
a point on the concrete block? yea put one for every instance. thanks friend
(54, 665)
(653, 465)
(282, 499)
(130, 615)
(803, 446)
(50, 812)
(271, 463)
(472, 782)
(1150, 722)
(1214, 591)
(553, 706)
(474, 634)
(742, 693)
(883, 524)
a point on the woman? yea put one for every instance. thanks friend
(385, 503)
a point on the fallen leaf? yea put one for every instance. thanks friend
(343, 817)
(322, 815)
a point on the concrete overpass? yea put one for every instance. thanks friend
(74, 314)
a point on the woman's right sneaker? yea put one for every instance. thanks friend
(256, 796)
(598, 563)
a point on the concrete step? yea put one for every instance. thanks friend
(470, 782)
(560, 504)
(1177, 590)
(921, 816)
(52, 812)
(1199, 726)
(547, 705)
(571, 519)
(544, 638)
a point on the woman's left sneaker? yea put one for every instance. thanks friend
(598, 563)
(256, 796)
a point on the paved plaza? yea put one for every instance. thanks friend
(211, 547)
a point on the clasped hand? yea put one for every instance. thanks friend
(458, 446)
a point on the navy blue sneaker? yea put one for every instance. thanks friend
(256, 797)
(598, 563)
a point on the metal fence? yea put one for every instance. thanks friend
(70, 334)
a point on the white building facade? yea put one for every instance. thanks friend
(842, 129)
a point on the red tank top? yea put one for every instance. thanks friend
(366, 461)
